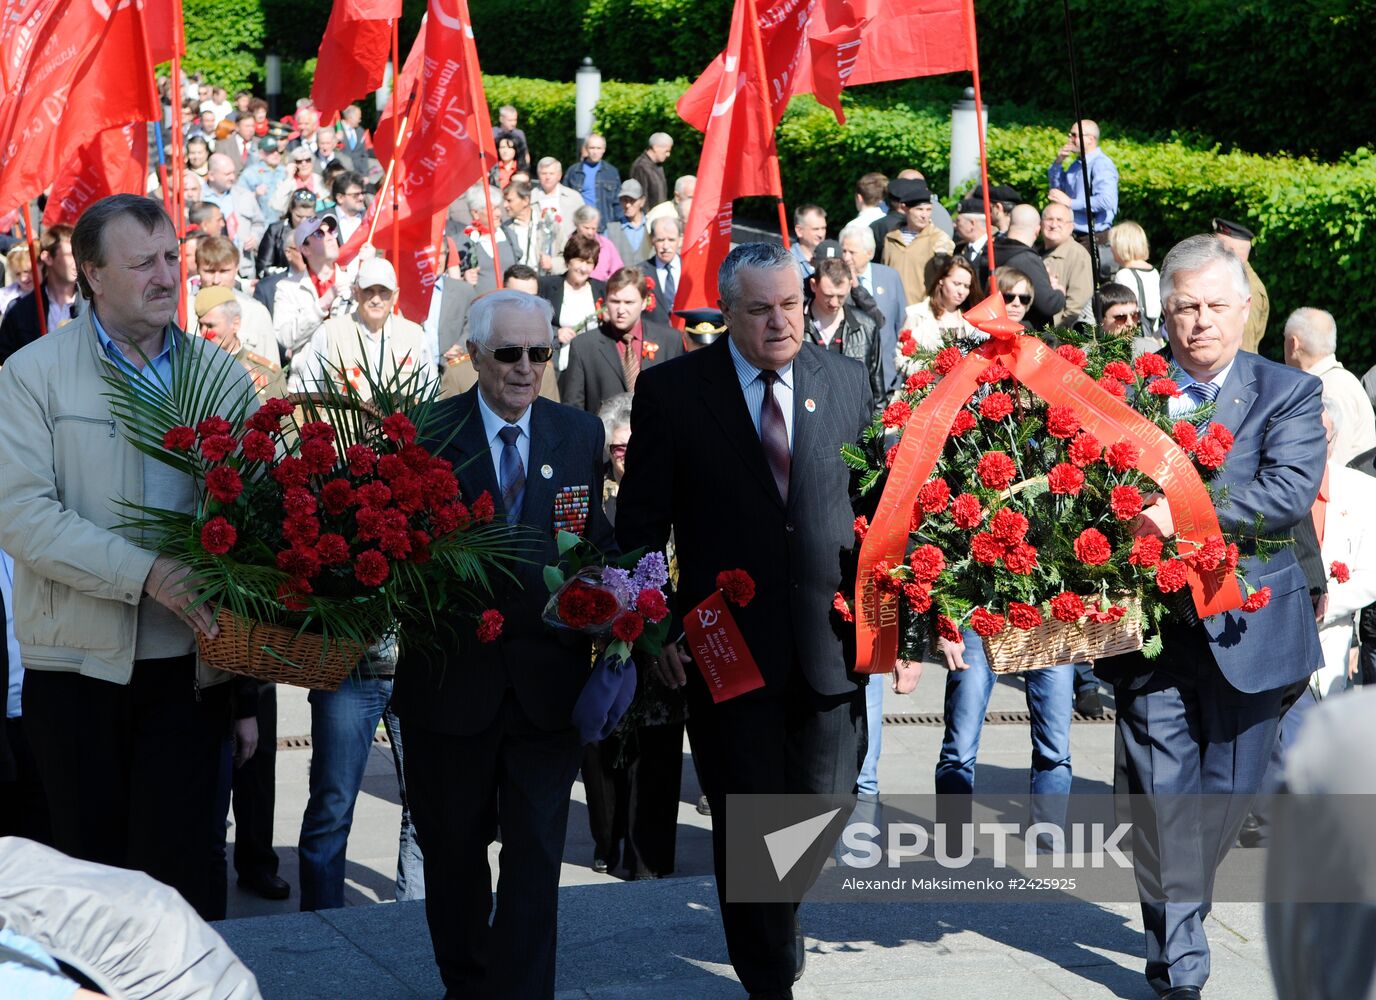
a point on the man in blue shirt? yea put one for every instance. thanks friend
(597, 181)
(1067, 177)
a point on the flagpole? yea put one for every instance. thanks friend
(767, 113)
(157, 103)
(27, 217)
(979, 129)
(398, 142)
(178, 167)
(475, 90)
(396, 153)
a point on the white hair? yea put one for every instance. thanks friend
(584, 214)
(761, 256)
(857, 231)
(1316, 330)
(548, 161)
(682, 183)
(615, 412)
(672, 219)
(1198, 253)
(482, 315)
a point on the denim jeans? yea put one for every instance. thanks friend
(868, 782)
(342, 726)
(1050, 700)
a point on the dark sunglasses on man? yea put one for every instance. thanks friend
(539, 354)
(1024, 297)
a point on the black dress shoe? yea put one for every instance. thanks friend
(265, 885)
(1181, 993)
(703, 807)
(799, 951)
(1090, 704)
(1251, 834)
(599, 865)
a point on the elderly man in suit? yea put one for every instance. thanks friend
(489, 745)
(665, 265)
(609, 360)
(759, 417)
(883, 285)
(1201, 719)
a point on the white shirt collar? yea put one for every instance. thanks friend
(493, 424)
(748, 373)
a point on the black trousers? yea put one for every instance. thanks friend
(770, 742)
(633, 806)
(23, 806)
(255, 795)
(130, 769)
(458, 787)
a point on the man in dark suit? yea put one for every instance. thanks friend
(758, 417)
(61, 300)
(489, 744)
(665, 266)
(1200, 720)
(609, 360)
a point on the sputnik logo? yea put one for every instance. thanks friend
(787, 846)
(729, 70)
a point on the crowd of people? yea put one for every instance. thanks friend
(99, 630)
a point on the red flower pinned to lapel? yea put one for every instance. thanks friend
(648, 350)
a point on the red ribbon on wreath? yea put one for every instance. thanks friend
(1057, 381)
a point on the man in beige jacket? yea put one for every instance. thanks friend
(126, 727)
(1066, 262)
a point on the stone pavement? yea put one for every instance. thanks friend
(631, 940)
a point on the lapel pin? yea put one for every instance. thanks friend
(810, 405)
(546, 471)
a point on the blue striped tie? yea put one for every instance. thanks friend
(1203, 393)
(513, 473)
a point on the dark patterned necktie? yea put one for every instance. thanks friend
(774, 434)
(513, 473)
(1203, 393)
(630, 362)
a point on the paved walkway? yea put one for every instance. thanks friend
(627, 940)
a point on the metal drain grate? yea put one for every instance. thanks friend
(304, 742)
(990, 718)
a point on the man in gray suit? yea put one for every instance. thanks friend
(883, 285)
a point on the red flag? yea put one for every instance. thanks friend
(835, 44)
(166, 31)
(67, 54)
(114, 162)
(353, 54)
(449, 126)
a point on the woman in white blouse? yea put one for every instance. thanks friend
(1128, 241)
(936, 320)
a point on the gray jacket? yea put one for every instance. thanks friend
(860, 340)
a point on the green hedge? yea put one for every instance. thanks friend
(1313, 220)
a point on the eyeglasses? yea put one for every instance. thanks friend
(512, 355)
(1125, 317)
(353, 194)
(1024, 297)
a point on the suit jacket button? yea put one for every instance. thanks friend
(788, 528)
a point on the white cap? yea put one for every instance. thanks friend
(377, 271)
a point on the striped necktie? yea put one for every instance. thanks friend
(774, 434)
(513, 473)
(1203, 394)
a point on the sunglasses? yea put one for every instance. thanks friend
(1126, 317)
(1024, 297)
(511, 355)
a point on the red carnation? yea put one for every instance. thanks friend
(301, 531)
(919, 598)
(263, 422)
(996, 406)
(628, 626)
(258, 447)
(1222, 435)
(995, 470)
(277, 407)
(1163, 387)
(420, 547)
(1113, 387)
(966, 511)
(1021, 558)
(1210, 454)
(440, 486)
(1109, 614)
(736, 586)
(650, 603)
(1067, 607)
(1146, 551)
(915, 517)
(1008, 526)
(1339, 572)
(889, 456)
(1257, 600)
(398, 428)
(947, 629)
(291, 472)
(1170, 576)
(934, 496)
(896, 414)
(212, 427)
(1073, 354)
(1023, 616)
(218, 536)
(1185, 434)
(964, 422)
(292, 592)
(391, 466)
(927, 563)
(1125, 502)
(1065, 479)
(337, 496)
(986, 549)
(298, 562)
(224, 484)
(1085, 449)
(419, 460)
(1124, 454)
(490, 625)
(332, 549)
(179, 438)
(408, 493)
(361, 459)
(374, 495)
(1231, 559)
(317, 430)
(395, 544)
(918, 381)
(946, 359)
(371, 568)
(450, 517)
(1210, 555)
(217, 446)
(993, 374)
(986, 623)
(1092, 548)
(318, 455)
(861, 527)
(839, 605)
(298, 502)
(483, 510)
(1061, 421)
(582, 606)
(909, 346)
(1120, 371)
(1148, 365)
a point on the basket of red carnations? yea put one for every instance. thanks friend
(1026, 530)
(311, 536)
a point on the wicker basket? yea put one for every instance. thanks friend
(277, 653)
(1054, 642)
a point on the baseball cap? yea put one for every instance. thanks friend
(268, 145)
(309, 227)
(377, 271)
(825, 249)
(208, 298)
(631, 189)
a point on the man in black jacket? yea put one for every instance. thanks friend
(490, 747)
(835, 325)
(61, 300)
(758, 418)
(1015, 250)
